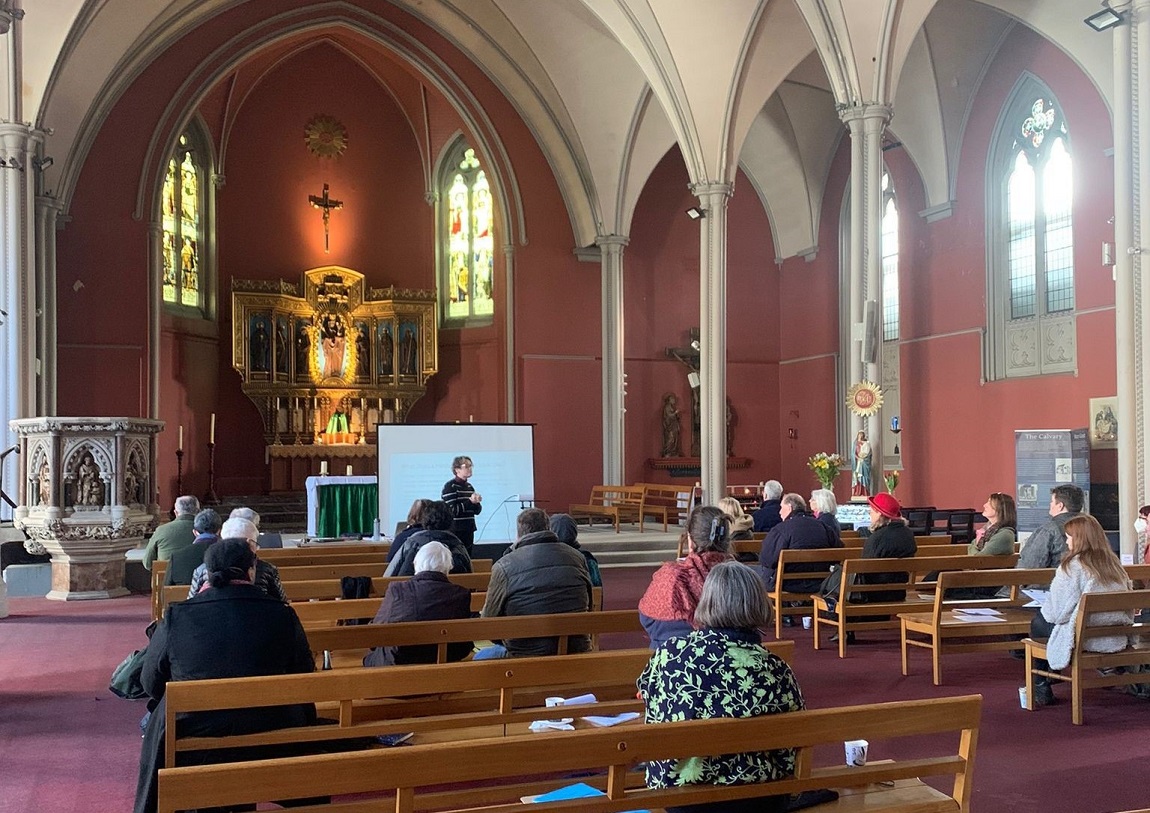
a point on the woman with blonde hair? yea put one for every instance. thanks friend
(741, 521)
(1089, 566)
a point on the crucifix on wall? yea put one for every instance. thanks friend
(326, 203)
(689, 356)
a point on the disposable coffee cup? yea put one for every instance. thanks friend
(856, 752)
(1022, 696)
(806, 622)
(552, 702)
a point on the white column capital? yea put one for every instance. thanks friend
(712, 191)
(866, 112)
(612, 242)
(508, 250)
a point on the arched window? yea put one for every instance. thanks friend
(467, 240)
(1030, 256)
(183, 217)
(888, 245)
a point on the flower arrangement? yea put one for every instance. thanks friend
(826, 467)
(891, 478)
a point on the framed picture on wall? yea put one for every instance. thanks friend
(1104, 423)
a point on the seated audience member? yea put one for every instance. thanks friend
(185, 561)
(175, 535)
(890, 538)
(267, 574)
(1047, 545)
(667, 609)
(729, 674)
(232, 629)
(1142, 529)
(437, 523)
(741, 522)
(426, 596)
(539, 575)
(798, 531)
(997, 537)
(767, 514)
(564, 527)
(414, 525)
(824, 506)
(1089, 566)
(243, 512)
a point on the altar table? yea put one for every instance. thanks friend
(341, 505)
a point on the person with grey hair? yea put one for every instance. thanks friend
(174, 535)
(243, 512)
(182, 566)
(798, 531)
(730, 675)
(426, 596)
(824, 506)
(767, 516)
(267, 575)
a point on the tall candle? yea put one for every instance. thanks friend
(323, 468)
(349, 469)
(181, 437)
(212, 430)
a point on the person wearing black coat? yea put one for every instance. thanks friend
(426, 596)
(890, 538)
(465, 504)
(767, 515)
(231, 630)
(437, 520)
(798, 531)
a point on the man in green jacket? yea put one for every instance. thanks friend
(175, 535)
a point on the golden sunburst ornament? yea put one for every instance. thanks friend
(864, 399)
(325, 136)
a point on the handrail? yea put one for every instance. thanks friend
(3, 495)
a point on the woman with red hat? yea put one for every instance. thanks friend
(890, 538)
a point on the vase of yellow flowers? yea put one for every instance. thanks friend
(891, 478)
(826, 467)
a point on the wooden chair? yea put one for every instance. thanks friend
(615, 503)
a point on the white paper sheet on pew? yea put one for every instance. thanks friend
(979, 611)
(1038, 597)
(616, 719)
(564, 723)
(977, 619)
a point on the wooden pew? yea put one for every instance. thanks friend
(330, 613)
(1084, 669)
(945, 630)
(277, 555)
(616, 503)
(444, 776)
(297, 573)
(345, 646)
(922, 541)
(844, 617)
(667, 503)
(331, 589)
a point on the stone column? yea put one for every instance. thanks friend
(47, 213)
(611, 259)
(866, 124)
(1129, 289)
(713, 198)
(18, 144)
(87, 496)
(509, 326)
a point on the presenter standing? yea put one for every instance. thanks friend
(464, 503)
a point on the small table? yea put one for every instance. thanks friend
(341, 505)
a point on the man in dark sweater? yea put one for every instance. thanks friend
(539, 575)
(767, 515)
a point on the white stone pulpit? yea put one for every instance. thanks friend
(87, 496)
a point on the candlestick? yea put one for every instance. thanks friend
(349, 469)
(180, 468)
(212, 430)
(323, 468)
(181, 446)
(210, 497)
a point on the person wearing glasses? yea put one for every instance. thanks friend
(464, 502)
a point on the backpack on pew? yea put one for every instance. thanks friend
(125, 681)
(832, 587)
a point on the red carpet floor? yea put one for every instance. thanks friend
(69, 745)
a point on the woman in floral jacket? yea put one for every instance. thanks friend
(722, 670)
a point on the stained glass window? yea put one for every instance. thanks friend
(467, 276)
(182, 224)
(889, 248)
(1039, 193)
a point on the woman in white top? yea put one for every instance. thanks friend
(1089, 566)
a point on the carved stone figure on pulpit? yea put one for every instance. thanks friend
(44, 479)
(672, 428)
(89, 489)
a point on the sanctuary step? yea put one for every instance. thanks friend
(285, 512)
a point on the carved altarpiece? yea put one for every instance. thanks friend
(328, 345)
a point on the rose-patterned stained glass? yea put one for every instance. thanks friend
(468, 276)
(181, 222)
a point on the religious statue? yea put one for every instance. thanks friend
(302, 346)
(732, 419)
(133, 484)
(408, 351)
(258, 347)
(672, 429)
(696, 423)
(44, 479)
(861, 486)
(334, 341)
(1105, 425)
(386, 351)
(281, 345)
(89, 489)
(362, 357)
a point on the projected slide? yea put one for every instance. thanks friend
(415, 462)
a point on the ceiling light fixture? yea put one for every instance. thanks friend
(1105, 19)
